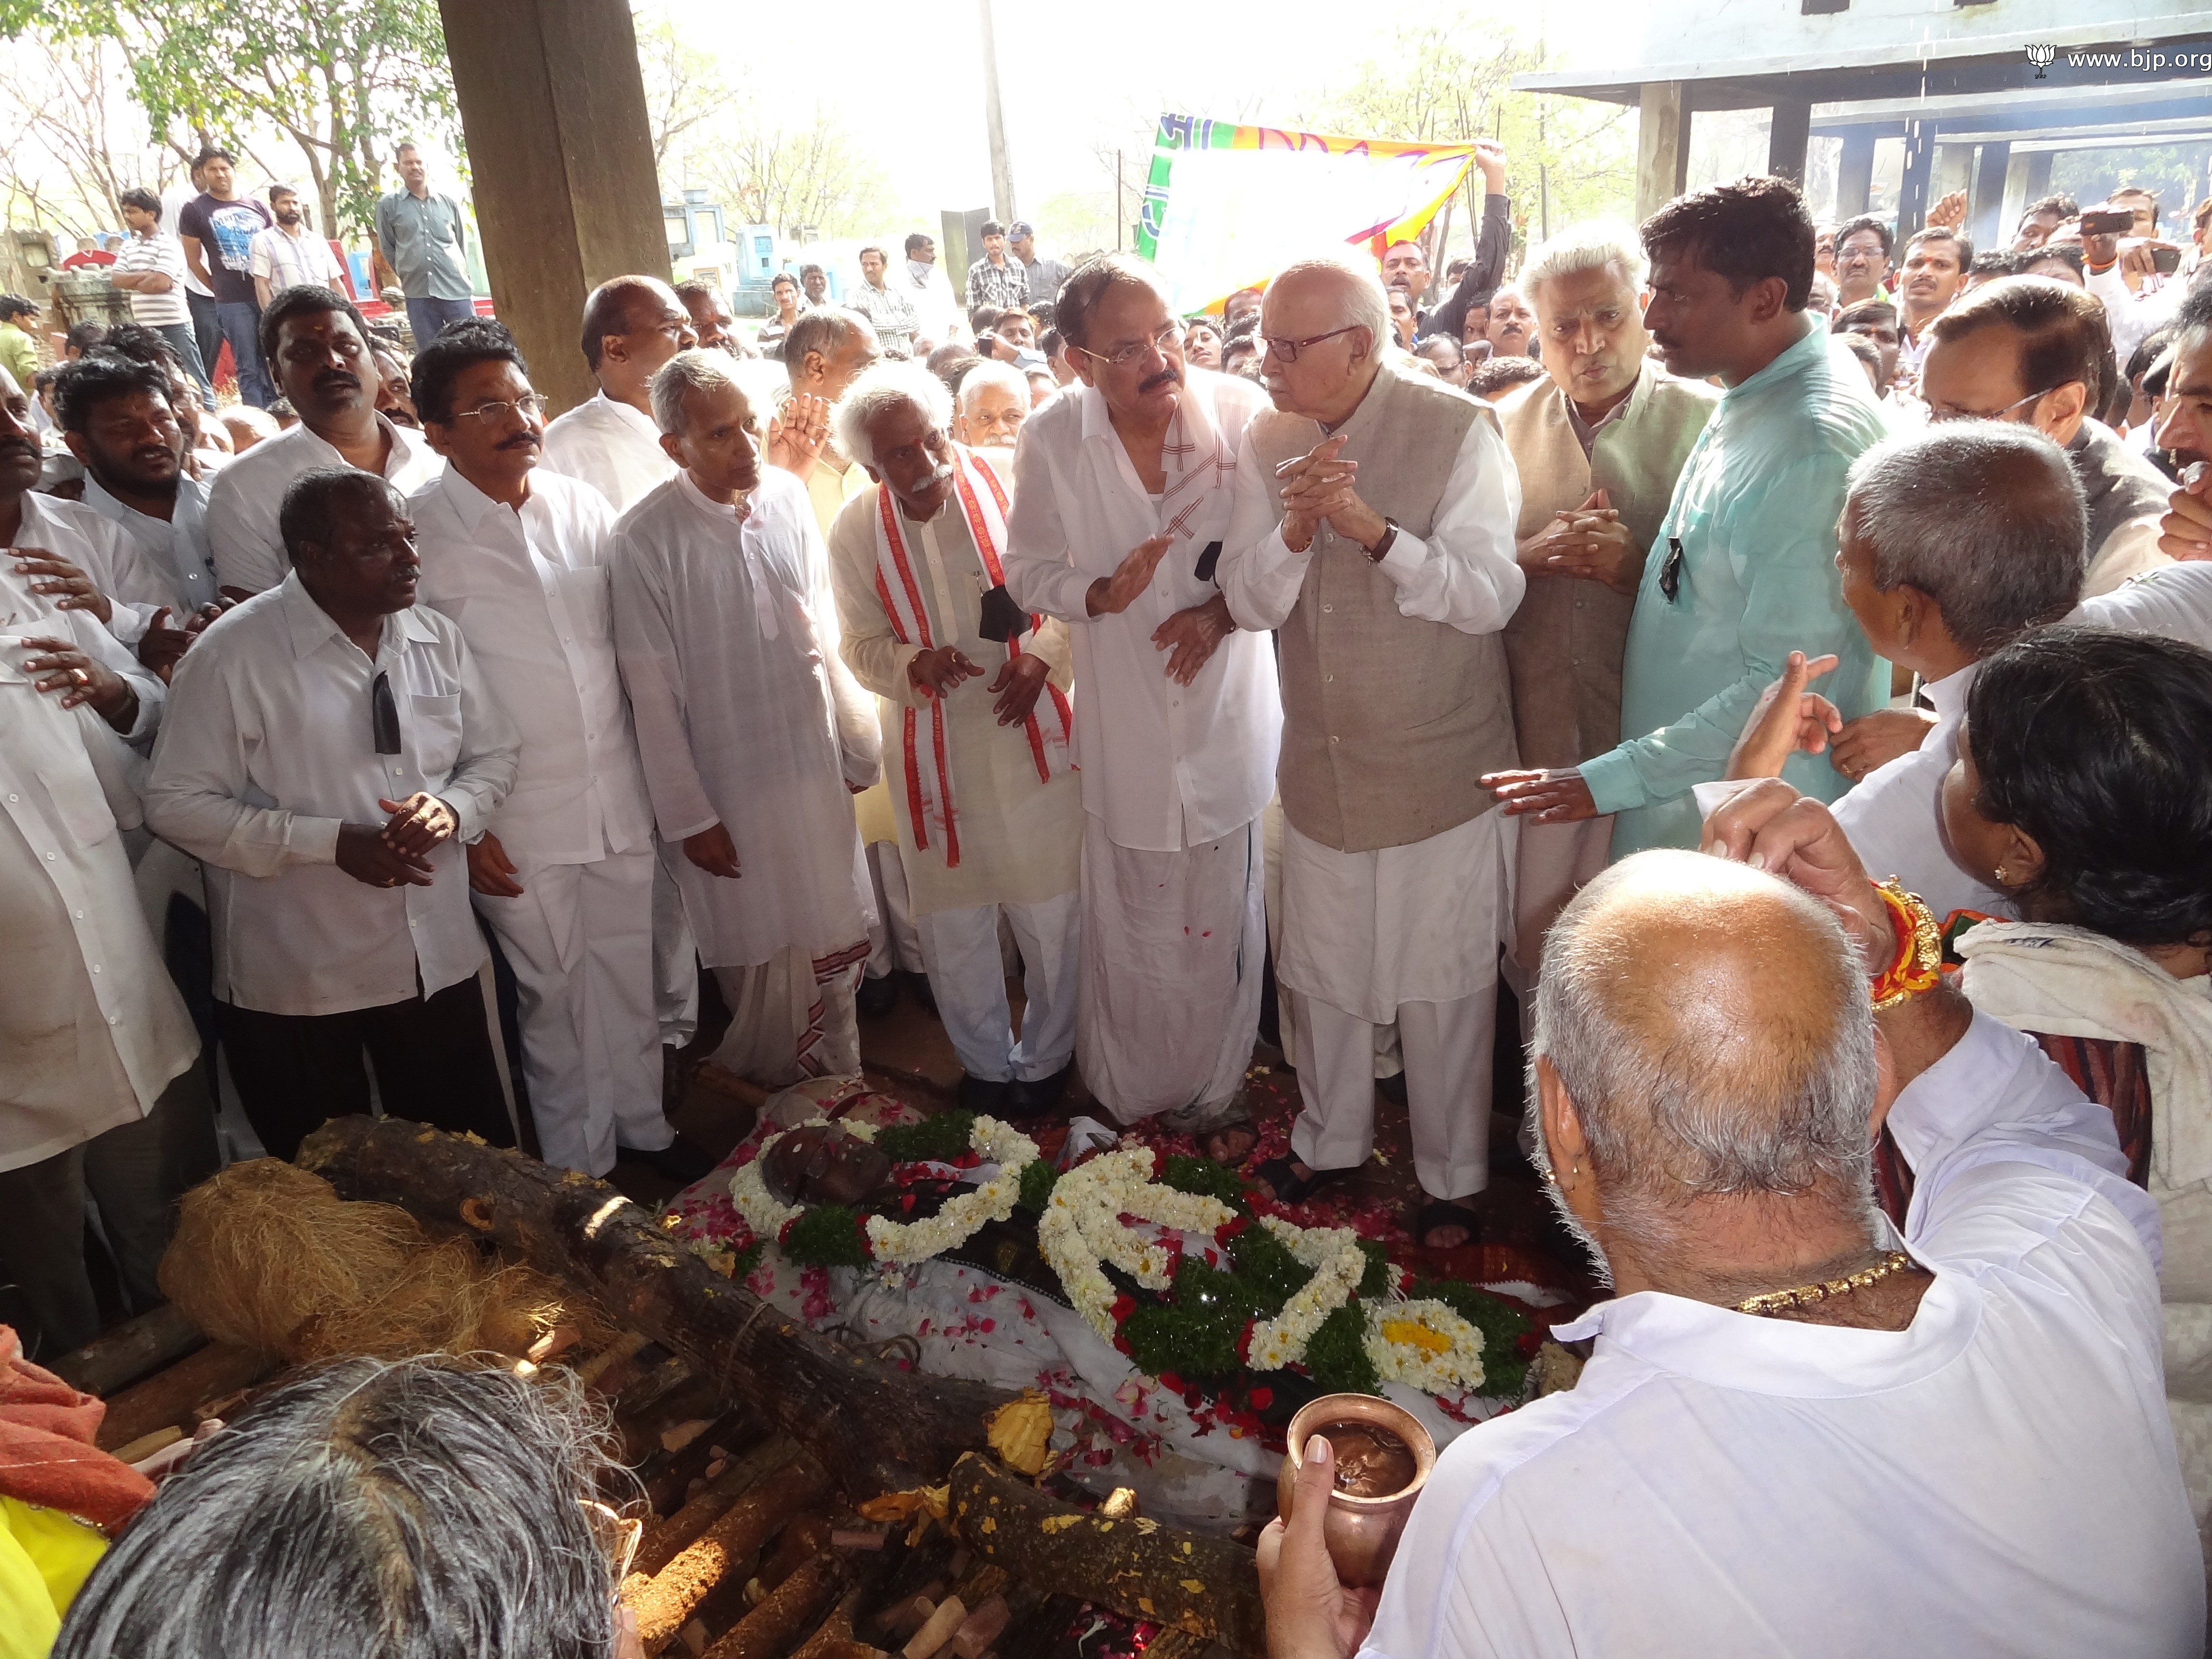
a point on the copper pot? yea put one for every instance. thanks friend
(1362, 1533)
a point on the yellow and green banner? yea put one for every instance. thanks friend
(1226, 206)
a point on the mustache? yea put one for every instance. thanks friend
(523, 441)
(1166, 377)
(938, 476)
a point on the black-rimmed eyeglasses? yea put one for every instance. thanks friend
(1286, 351)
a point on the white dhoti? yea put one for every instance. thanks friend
(580, 941)
(675, 961)
(793, 1016)
(893, 943)
(1555, 862)
(967, 974)
(1173, 949)
(1411, 934)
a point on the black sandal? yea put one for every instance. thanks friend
(1289, 1187)
(1446, 1212)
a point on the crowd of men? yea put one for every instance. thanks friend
(1185, 653)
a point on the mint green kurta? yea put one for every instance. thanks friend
(1756, 509)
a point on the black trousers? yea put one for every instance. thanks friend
(433, 1057)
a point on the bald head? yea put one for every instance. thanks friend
(1710, 1024)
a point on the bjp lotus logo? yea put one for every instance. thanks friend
(2041, 57)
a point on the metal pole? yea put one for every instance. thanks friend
(1002, 171)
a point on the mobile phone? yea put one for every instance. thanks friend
(2165, 260)
(2106, 221)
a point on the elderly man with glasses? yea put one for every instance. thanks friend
(517, 556)
(1374, 528)
(1122, 490)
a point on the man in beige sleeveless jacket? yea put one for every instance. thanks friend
(1374, 528)
(1598, 445)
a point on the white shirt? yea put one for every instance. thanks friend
(283, 259)
(530, 593)
(611, 446)
(177, 546)
(137, 584)
(1463, 575)
(91, 1027)
(248, 494)
(1998, 1478)
(746, 715)
(1166, 767)
(267, 748)
(1893, 816)
(2174, 600)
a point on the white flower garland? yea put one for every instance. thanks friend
(962, 1217)
(1425, 1344)
(1338, 1265)
(1082, 1225)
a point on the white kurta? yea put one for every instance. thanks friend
(177, 545)
(268, 748)
(612, 446)
(1996, 1478)
(2174, 602)
(1166, 767)
(530, 592)
(91, 1028)
(1020, 838)
(247, 496)
(746, 715)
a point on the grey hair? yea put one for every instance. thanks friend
(1596, 246)
(1984, 517)
(422, 1509)
(1669, 1116)
(695, 370)
(990, 371)
(1366, 303)
(882, 388)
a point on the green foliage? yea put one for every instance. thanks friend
(342, 79)
(940, 1139)
(1203, 1178)
(1337, 1355)
(1194, 1334)
(827, 1236)
(748, 1259)
(1502, 1327)
(1037, 1182)
(1379, 1276)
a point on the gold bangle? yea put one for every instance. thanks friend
(1919, 965)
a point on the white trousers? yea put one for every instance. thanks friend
(960, 948)
(580, 942)
(1446, 1048)
(1554, 862)
(675, 961)
(892, 941)
(793, 1016)
(1174, 946)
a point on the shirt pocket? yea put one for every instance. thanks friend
(435, 734)
(584, 593)
(79, 803)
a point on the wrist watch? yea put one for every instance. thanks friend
(1381, 551)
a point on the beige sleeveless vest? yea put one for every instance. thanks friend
(1387, 721)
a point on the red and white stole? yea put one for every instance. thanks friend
(930, 807)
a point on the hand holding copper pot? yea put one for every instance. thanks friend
(1383, 1457)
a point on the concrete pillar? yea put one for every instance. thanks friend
(1789, 132)
(561, 146)
(2016, 196)
(1954, 170)
(1912, 194)
(1854, 173)
(1662, 146)
(1985, 219)
(2037, 183)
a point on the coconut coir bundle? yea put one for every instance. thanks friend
(269, 1257)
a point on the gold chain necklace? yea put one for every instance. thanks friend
(1803, 1296)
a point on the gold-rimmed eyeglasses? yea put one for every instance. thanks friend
(1940, 416)
(529, 405)
(1122, 356)
(1286, 351)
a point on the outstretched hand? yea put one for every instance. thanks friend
(1556, 795)
(1786, 718)
(1311, 1614)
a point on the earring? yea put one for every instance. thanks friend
(1999, 872)
(1550, 1178)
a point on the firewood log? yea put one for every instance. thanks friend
(877, 1428)
(167, 1397)
(667, 1599)
(769, 1631)
(665, 1539)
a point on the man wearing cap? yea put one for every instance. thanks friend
(995, 280)
(1045, 275)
